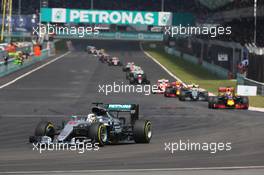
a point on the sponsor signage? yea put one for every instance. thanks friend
(118, 36)
(22, 23)
(222, 57)
(247, 90)
(119, 107)
(62, 15)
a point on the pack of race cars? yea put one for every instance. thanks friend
(225, 99)
(134, 74)
(103, 56)
(107, 123)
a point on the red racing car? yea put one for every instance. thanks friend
(162, 85)
(173, 89)
(227, 99)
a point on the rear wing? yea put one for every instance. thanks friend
(121, 107)
(133, 109)
(223, 90)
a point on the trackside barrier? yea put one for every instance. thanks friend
(131, 36)
(10, 67)
(190, 58)
(242, 80)
(176, 53)
(216, 70)
(3, 54)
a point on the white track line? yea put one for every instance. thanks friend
(256, 109)
(32, 71)
(137, 170)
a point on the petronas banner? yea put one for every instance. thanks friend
(61, 15)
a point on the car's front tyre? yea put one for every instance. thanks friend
(182, 96)
(98, 133)
(45, 128)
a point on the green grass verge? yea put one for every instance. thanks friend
(257, 101)
(193, 73)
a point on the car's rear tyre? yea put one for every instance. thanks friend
(210, 104)
(167, 92)
(182, 96)
(45, 128)
(131, 80)
(127, 75)
(98, 133)
(206, 96)
(245, 101)
(214, 102)
(142, 131)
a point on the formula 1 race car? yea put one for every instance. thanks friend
(129, 67)
(90, 49)
(114, 61)
(104, 57)
(173, 89)
(94, 51)
(193, 93)
(133, 69)
(107, 124)
(100, 52)
(227, 99)
(138, 77)
(161, 86)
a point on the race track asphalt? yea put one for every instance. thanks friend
(69, 86)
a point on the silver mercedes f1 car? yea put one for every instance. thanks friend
(106, 124)
(193, 93)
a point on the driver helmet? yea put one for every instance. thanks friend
(228, 91)
(91, 118)
(177, 83)
(193, 86)
(74, 117)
